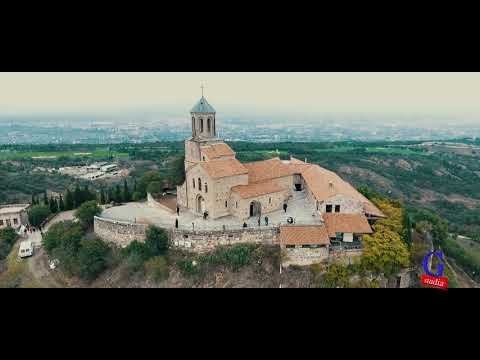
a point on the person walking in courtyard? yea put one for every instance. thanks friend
(285, 207)
(259, 221)
(244, 224)
(266, 220)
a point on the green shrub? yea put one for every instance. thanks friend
(137, 248)
(92, 257)
(337, 275)
(86, 213)
(157, 241)
(187, 268)
(82, 255)
(134, 263)
(157, 268)
(65, 234)
(233, 257)
(8, 237)
(38, 214)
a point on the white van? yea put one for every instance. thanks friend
(26, 249)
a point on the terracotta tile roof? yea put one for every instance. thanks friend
(260, 171)
(223, 168)
(216, 151)
(304, 235)
(325, 183)
(257, 189)
(372, 210)
(346, 223)
(296, 161)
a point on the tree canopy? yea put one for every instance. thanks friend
(38, 214)
(86, 213)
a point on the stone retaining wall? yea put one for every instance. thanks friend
(202, 241)
(305, 256)
(123, 233)
(344, 255)
(120, 233)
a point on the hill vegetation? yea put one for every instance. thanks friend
(425, 180)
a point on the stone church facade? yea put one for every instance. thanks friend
(218, 185)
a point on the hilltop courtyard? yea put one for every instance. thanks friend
(140, 212)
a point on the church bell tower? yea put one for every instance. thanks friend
(204, 130)
(203, 120)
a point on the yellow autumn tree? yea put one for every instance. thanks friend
(384, 251)
(394, 220)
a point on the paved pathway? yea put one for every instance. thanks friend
(36, 238)
(298, 208)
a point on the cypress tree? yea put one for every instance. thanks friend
(61, 204)
(126, 193)
(111, 196)
(118, 194)
(87, 195)
(69, 201)
(45, 199)
(53, 205)
(102, 197)
(77, 197)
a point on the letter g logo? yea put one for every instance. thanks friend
(439, 255)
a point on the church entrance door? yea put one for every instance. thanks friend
(200, 204)
(255, 209)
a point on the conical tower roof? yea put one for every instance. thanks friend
(202, 106)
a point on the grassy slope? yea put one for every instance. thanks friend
(17, 273)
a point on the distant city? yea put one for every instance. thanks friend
(151, 127)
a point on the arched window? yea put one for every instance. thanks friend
(201, 125)
(206, 188)
(209, 124)
(193, 180)
(199, 184)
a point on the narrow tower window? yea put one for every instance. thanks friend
(193, 180)
(206, 188)
(199, 184)
(209, 125)
(201, 125)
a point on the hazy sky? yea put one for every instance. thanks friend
(432, 93)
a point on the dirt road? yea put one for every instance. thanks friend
(38, 264)
(39, 268)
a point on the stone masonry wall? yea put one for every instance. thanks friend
(123, 233)
(119, 232)
(202, 241)
(305, 256)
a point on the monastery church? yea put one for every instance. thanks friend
(219, 185)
